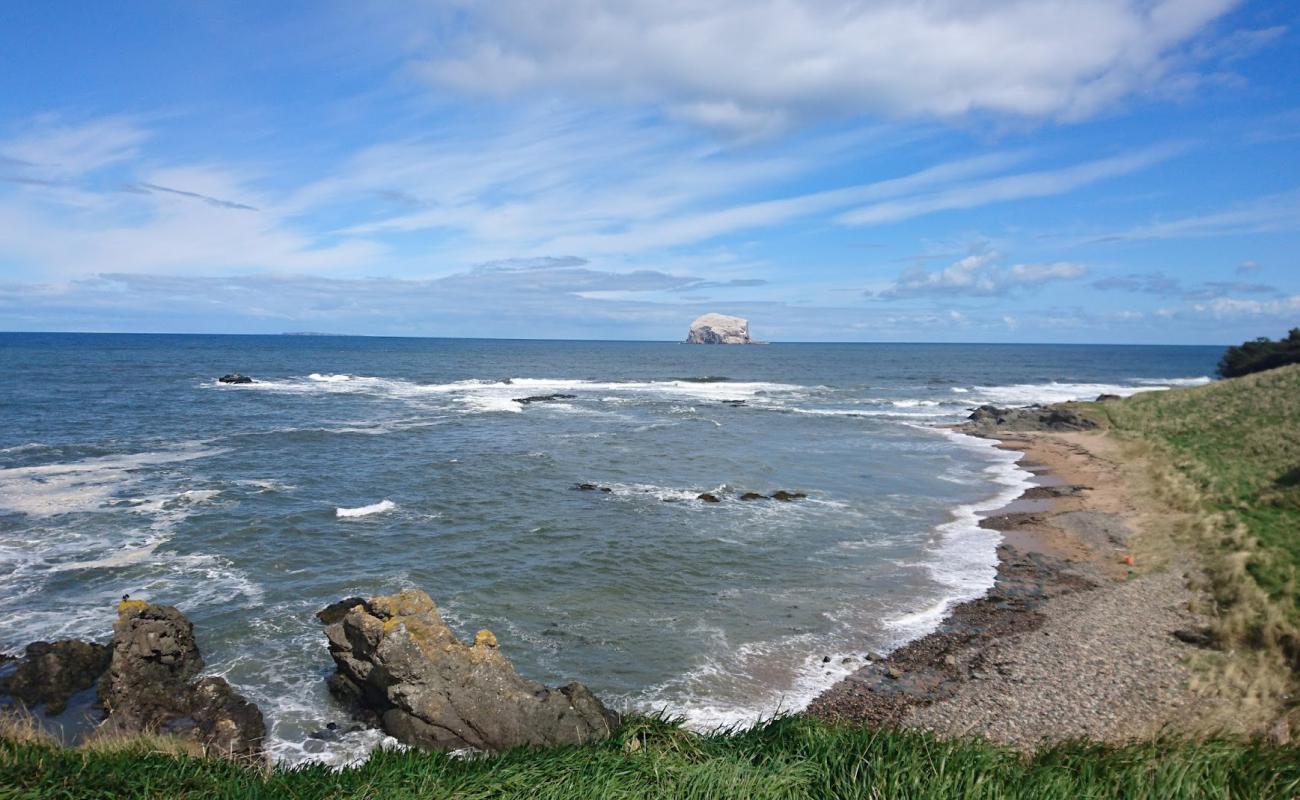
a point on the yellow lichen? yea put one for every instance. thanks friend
(126, 606)
(485, 638)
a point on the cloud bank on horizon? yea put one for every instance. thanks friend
(1003, 170)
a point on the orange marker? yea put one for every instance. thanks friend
(1128, 560)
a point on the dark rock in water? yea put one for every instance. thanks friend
(753, 496)
(786, 497)
(591, 487)
(334, 612)
(1032, 418)
(709, 497)
(235, 377)
(1102, 398)
(733, 402)
(148, 688)
(400, 664)
(49, 673)
(543, 398)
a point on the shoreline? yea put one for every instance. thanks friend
(1069, 642)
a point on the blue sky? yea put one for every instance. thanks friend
(973, 170)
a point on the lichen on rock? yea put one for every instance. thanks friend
(399, 666)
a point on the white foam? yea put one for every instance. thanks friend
(81, 486)
(960, 390)
(1023, 394)
(381, 507)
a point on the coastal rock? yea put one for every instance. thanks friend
(753, 496)
(709, 497)
(148, 688)
(542, 398)
(49, 673)
(235, 377)
(719, 329)
(786, 497)
(1032, 418)
(400, 664)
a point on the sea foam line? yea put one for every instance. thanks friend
(364, 511)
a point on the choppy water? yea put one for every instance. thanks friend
(362, 466)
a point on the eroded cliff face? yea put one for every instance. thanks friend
(401, 666)
(719, 329)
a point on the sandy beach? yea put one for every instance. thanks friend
(1088, 632)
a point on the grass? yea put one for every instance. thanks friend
(1226, 455)
(794, 757)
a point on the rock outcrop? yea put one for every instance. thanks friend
(49, 673)
(542, 398)
(148, 686)
(399, 664)
(1034, 418)
(235, 377)
(719, 329)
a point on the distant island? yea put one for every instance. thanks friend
(307, 333)
(720, 329)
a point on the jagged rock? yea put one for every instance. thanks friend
(235, 377)
(148, 688)
(719, 329)
(786, 497)
(335, 612)
(753, 496)
(542, 398)
(709, 497)
(1032, 418)
(400, 664)
(49, 673)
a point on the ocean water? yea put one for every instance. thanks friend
(367, 465)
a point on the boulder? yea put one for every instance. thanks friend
(235, 377)
(399, 664)
(148, 686)
(709, 497)
(49, 673)
(719, 329)
(1031, 418)
(753, 496)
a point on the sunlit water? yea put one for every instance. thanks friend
(363, 466)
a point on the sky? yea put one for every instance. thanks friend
(1111, 171)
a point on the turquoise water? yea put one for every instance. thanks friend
(366, 465)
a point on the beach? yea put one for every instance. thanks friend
(1072, 641)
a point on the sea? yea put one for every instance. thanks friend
(363, 466)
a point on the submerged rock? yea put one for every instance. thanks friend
(542, 398)
(235, 377)
(148, 687)
(753, 496)
(709, 497)
(719, 329)
(400, 665)
(50, 673)
(786, 497)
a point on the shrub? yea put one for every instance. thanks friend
(1261, 354)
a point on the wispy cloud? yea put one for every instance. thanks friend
(1042, 183)
(978, 275)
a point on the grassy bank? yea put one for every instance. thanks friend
(789, 758)
(1229, 454)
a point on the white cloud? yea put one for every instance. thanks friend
(978, 275)
(1227, 307)
(61, 150)
(755, 65)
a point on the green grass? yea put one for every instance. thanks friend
(793, 757)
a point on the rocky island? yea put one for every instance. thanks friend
(719, 329)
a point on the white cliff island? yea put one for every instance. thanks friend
(720, 329)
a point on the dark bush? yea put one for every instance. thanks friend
(1261, 354)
